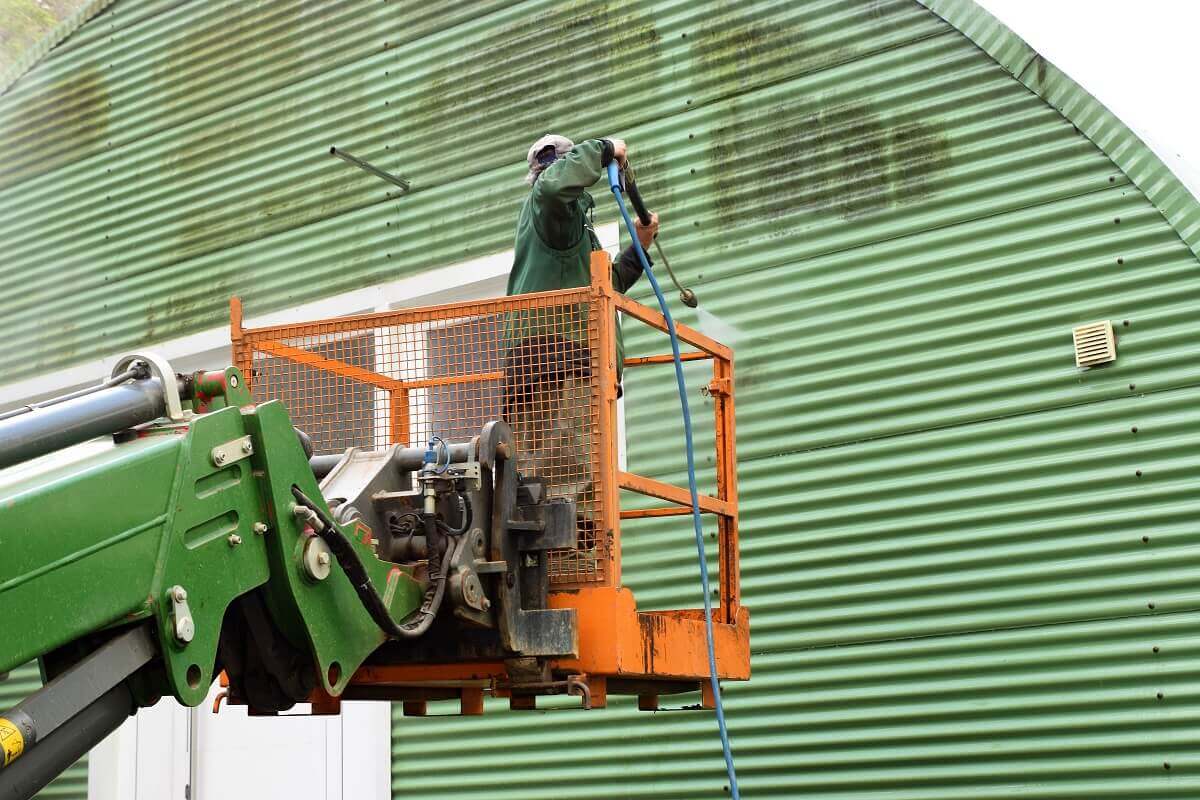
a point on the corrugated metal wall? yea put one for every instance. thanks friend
(969, 576)
(72, 784)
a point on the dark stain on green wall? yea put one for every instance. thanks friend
(207, 300)
(744, 45)
(43, 130)
(281, 202)
(849, 159)
(535, 74)
(920, 155)
(565, 69)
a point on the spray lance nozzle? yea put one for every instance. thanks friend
(625, 180)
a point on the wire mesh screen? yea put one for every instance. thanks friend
(403, 377)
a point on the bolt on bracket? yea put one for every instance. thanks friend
(181, 615)
(232, 451)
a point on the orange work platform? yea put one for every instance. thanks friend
(546, 363)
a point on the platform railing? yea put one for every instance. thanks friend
(404, 375)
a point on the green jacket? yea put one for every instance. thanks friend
(555, 237)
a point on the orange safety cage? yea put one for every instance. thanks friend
(546, 363)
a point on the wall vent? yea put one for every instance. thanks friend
(1095, 344)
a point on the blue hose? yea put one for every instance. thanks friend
(614, 182)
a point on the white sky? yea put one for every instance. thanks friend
(1140, 58)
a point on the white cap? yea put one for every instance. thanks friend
(561, 145)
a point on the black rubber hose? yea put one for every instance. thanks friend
(420, 621)
(116, 380)
(464, 515)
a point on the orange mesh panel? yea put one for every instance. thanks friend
(402, 377)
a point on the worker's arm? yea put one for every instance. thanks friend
(628, 268)
(559, 186)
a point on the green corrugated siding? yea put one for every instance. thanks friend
(957, 576)
(22, 682)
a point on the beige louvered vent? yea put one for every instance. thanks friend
(1095, 344)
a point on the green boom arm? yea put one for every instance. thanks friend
(169, 527)
(97, 535)
(159, 529)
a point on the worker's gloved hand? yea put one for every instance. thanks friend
(619, 151)
(646, 233)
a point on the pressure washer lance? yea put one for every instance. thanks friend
(686, 296)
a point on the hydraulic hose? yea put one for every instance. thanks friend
(116, 380)
(464, 515)
(418, 622)
(614, 182)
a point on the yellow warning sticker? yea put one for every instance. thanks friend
(12, 742)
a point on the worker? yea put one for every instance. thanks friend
(555, 234)
(547, 369)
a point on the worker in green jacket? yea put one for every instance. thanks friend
(555, 236)
(547, 367)
(555, 232)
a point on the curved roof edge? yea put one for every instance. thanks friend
(30, 58)
(1131, 155)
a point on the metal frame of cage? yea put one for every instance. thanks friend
(621, 650)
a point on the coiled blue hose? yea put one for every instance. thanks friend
(614, 182)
